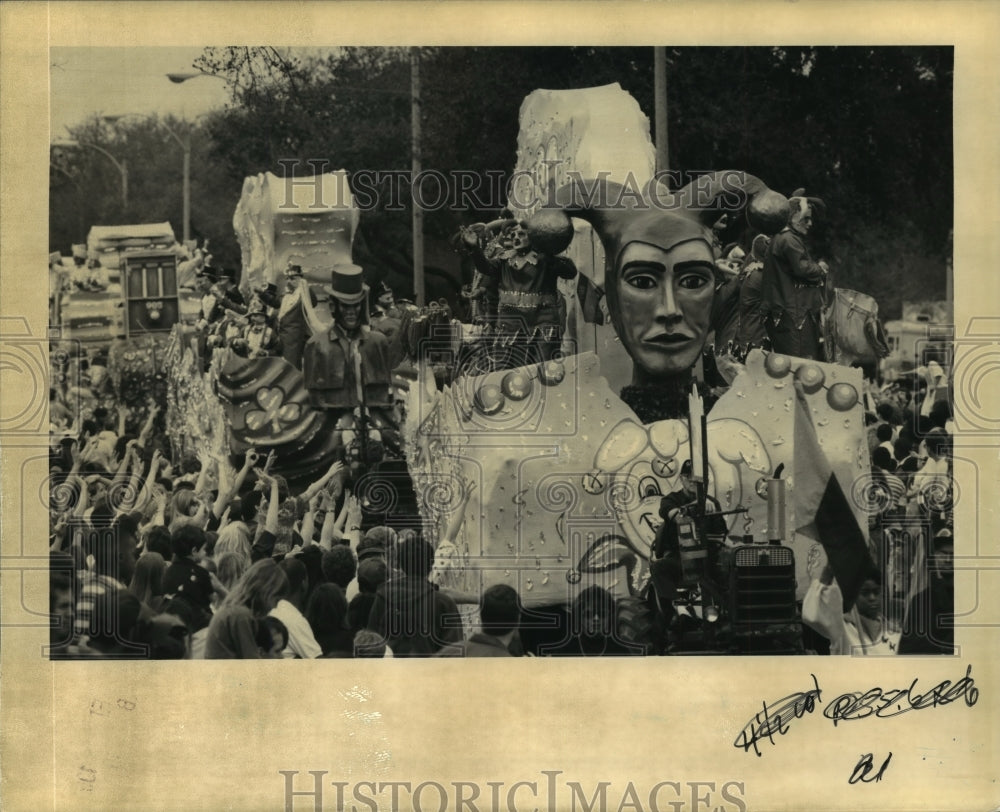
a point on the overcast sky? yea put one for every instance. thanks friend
(116, 81)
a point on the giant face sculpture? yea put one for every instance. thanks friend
(661, 306)
(660, 262)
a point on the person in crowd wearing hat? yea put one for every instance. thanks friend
(500, 615)
(660, 272)
(793, 286)
(376, 543)
(350, 364)
(928, 625)
(530, 310)
(293, 328)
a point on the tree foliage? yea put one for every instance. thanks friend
(867, 129)
(85, 186)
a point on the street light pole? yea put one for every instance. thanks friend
(418, 212)
(187, 188)
(177, 79)
(185, 143)
(660, 109)
(120, 165)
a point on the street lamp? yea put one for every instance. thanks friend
(415, 167)
(180, 78)
(185, 144)
(120, 165)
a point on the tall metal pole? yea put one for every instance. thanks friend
(660, 107)
(418, 214)
(124, 170)
(121, 166)
(186, 145)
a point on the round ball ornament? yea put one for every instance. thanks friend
(777, 365)
(811, 377)
(489, 399)
(842, 397)
(516, 385)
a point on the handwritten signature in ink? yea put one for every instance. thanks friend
(885, 704)
(774, 718)
(881, 703)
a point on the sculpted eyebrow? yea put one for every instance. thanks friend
(687, 265)
(694, 264)
(646, 264)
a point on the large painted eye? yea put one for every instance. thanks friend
(648, 486)
(642, 281)
(693, 281)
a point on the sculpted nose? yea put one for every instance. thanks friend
(666, 307)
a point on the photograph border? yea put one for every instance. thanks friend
(527, 733)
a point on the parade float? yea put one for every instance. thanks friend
(566, 481)
(229, 403)
(569, 482)
(120, 305)
(567, 478)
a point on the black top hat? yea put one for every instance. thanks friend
(347, 284)
(257, 307)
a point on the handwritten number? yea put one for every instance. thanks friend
(864, 767)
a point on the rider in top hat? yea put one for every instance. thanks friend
(293, 329)
(218, 295)
(386, 317)
(350, 364)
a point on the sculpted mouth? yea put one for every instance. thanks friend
(669, 339)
